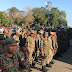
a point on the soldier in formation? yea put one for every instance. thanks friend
(20, 51)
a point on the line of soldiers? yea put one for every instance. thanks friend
(19, 51)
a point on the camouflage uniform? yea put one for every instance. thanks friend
(1, 49)
(39, 39)
(9, 64)
(42, 48)
(38, 45)
(31, 47)
(1, 46)
(17, 36)
(46, 49)
(55, 45)
(51, 53)
(24, 64)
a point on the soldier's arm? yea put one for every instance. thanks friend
(23, 62)
(42, 42)
(56, 43)
(27, 40)
(50, 43)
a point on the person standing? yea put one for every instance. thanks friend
(9, 60)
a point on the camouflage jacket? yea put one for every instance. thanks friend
(24, 64)
(8, 64)
(1, 49)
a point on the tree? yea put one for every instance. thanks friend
(62, 19)
(54, 14)
(19, 18)
(40, 16)
(4, 20)
(57, 18)
(29, 18)
(13, 13)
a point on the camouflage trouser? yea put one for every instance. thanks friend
(43, 62)
(47, 57)
(38, 52)
(30, 55)
(55, 51)
(46, 60)
(50, 55)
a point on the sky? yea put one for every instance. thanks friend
(62, 5)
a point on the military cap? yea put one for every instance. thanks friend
(32, 31)
(2, 37)
(9, 41)
(18, 31)
(53, 33)
(41, 31)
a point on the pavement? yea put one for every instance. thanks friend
(62, 64)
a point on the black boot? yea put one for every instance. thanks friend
(30, 70)
(44, 69)
(48, 65)
(52, 62)
(36, 59)
(33, 64)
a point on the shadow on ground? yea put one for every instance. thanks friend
(67, 56)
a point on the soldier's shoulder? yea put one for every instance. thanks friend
(28, 36)
(20, 54)
(2, 56)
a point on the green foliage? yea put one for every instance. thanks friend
(57, 18)
(4, 20)
(52, 18)
(36, 17)
(13, 13)
(40, 16)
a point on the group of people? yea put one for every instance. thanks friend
(19, 51)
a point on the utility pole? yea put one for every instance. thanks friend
(48, 7)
